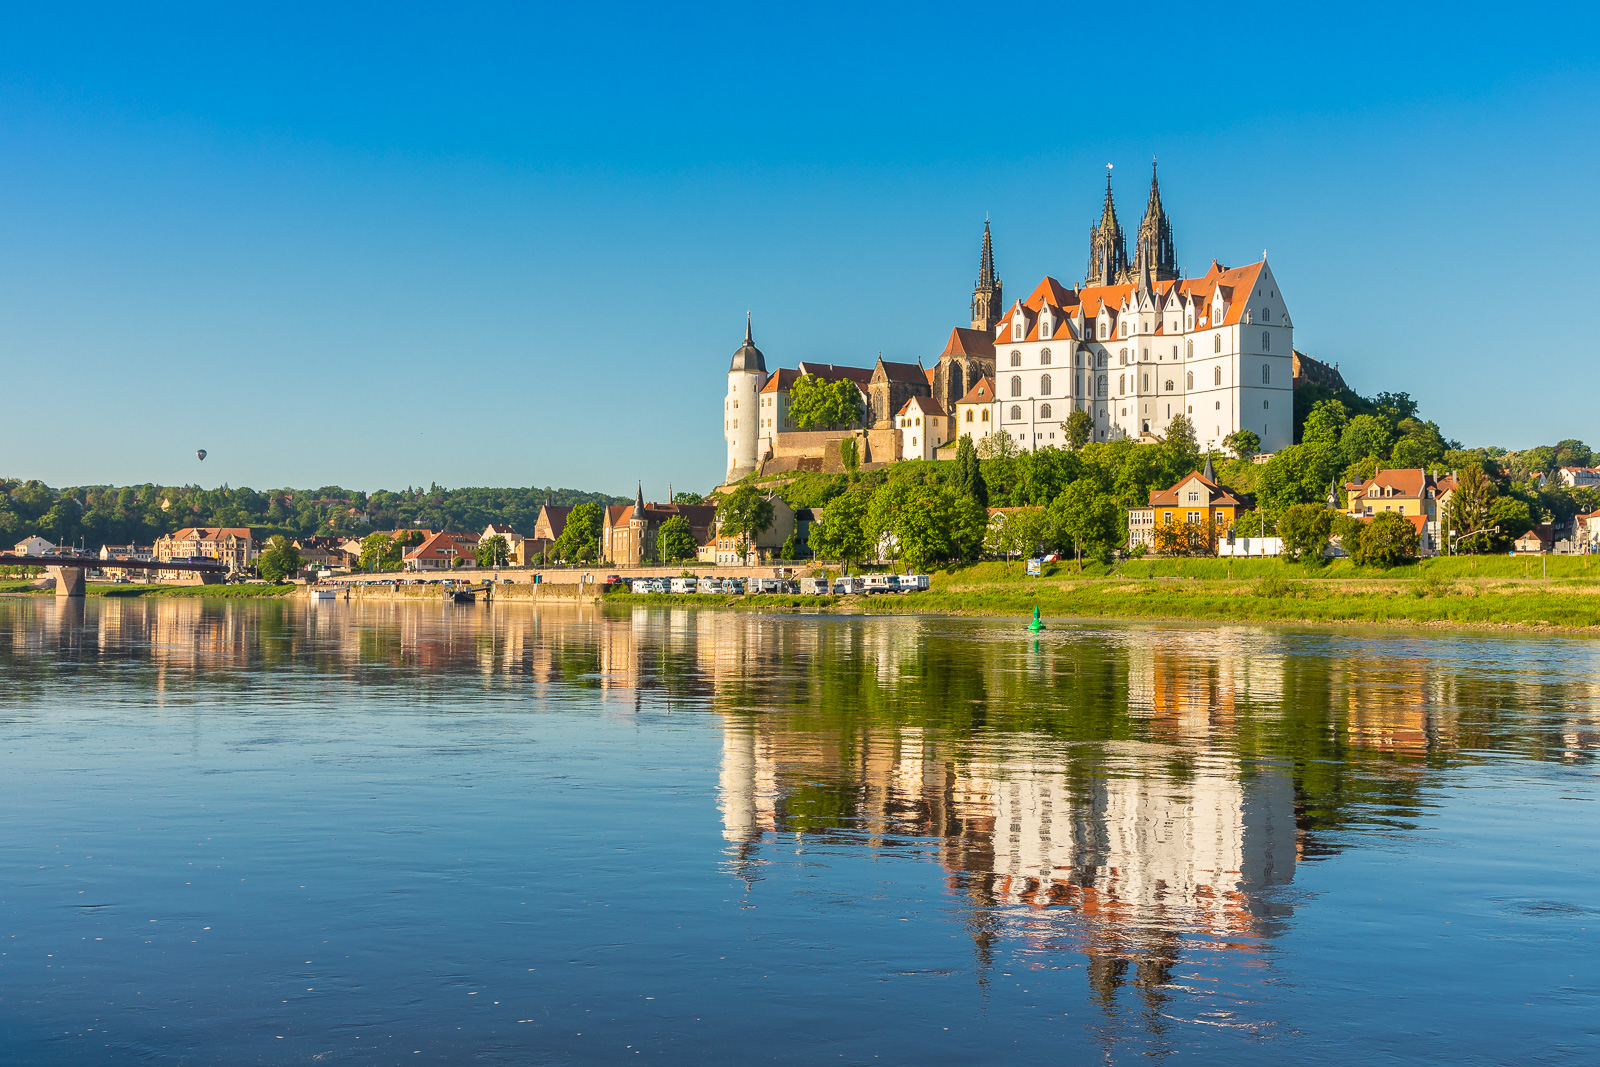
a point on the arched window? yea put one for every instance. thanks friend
(1044, 385)
(1077, 384)
(1101, 385)
(1190, 384)
(1016, 385)
(1016, 413)
(1266, 341)
(1216, 343)
(1189, 350)
(1147, 383)
(969, 414)
(1266, 314)
(1122, 383)
(1169, 385)
(985, 414)
(1124, 329)
(1044, 356)
(1123, 357)
(1216, 376)
(1078, 359)
(1266, 374)
(1264, 405)
(1044, 411)
(1016, 359)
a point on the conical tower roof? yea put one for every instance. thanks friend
(748, 357)
(986, 261)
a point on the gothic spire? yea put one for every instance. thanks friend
(638, 502)
(1155, 248)
(986, 294)
(1108, 249)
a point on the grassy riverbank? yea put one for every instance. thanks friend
(223, 592)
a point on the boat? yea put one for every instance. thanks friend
(460, 596)
(324, 594)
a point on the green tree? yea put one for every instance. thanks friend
(687, 498)
(968, 476)
(493, 551)
(279, 560)
(746, 513)
(921, 523)
(1087, 517)
(380, 552)
(1242, 443)
(1080, 427)
(1389, 539)
(1181, 441)
(676, 540)
(841, 534)
(816, 404)
(1366, 435)
(1467, 516)
(1305, 529)
(580, 538)
(1326, 423)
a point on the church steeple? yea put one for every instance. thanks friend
(1108, 251)
(986, 300)
(1155, 254)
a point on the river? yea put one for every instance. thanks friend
(409, 832)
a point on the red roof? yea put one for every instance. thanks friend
(966, 342)
(982, 392)
(1168, 498)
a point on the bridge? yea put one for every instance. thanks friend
(68, 571)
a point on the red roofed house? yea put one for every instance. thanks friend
(923, 427)
(441, 551)
(628, 533)
(1409, 491)
(234, 545)
(1196, 499)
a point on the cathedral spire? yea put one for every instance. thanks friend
(1155, 250)
(638, 502)
(1108, 250)
(986, 293)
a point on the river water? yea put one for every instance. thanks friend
(413, 833)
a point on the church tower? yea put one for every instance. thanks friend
(986, 302)
(1108, 251)
(1154, 254)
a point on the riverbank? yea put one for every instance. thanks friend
(223, 592)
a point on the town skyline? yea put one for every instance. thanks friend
(431, 279)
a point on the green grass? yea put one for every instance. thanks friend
(222, 592)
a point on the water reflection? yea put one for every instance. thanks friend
(1144, 804)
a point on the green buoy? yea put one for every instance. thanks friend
(1036, 625)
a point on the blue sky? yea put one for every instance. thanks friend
(383, 245)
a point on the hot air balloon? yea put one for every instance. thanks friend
(200, 454)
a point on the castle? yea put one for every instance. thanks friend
(1134, 345)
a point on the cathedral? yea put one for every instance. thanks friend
(1134, 345)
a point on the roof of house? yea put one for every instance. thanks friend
(832, 372)
(968, 342)
(1168, 498)
(500, 528)
(780, 380)
(1411, 482)
(924, 404)
(210, 533)
(982, 392)
(901, 372)
(434, 546)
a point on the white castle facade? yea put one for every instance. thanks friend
(1134, 345)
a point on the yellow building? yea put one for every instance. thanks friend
(1196, 499)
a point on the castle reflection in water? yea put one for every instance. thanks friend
(1134, 794)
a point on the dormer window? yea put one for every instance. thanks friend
(1124, 328)
(1105, 329)
(1189, 321)
(1017, 331)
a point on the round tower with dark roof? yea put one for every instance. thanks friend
(741, 407)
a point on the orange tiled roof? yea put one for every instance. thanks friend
(966, 342)
(926, 405)
(1168, 498)
(982, 392)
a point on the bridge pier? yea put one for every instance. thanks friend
(69, 580)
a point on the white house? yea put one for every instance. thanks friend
(34, 546)
(923, 427)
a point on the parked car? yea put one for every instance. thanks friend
(814, 586)
(611, 581)
(683, 585)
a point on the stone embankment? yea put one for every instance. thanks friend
(558, 583)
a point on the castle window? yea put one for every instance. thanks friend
(1078, 360)
(1044, 412)
(1123, 356)
(1191, 380)
(1169, 385)
(1174, 351)
(1016, 385)
(1216, 343)
(1016, 413)
(1101, 384)
(1264, 405)
(1147, 383)
(1216, 376)
(1266, 314)
(1105, 329)
(1016, 359)
(1188, 321)
(985, 414)
(1044, 385)
(1016, 329)
(1122, 383)
(1124, 330)
(1077, 384)
(1266, 341)
(969, 414)
(1044, 356)
(1266, 374)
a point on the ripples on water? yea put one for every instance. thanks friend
(376, 833)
